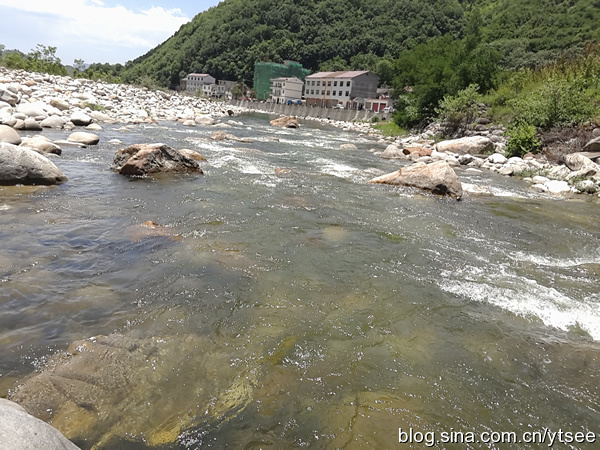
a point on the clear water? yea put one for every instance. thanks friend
(351, 310)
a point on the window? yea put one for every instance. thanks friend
(335, 84)
(312, 91)
(334, 92)
(347, 94)
(329, 83)
(318, 83)
(348, 83)
(327, 92)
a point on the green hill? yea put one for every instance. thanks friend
(228, 39)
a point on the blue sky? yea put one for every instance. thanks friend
(112, 31)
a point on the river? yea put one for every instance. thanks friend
(358, 309)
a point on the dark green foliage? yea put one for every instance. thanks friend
(41, 59)
(522, 139)
(227, 40)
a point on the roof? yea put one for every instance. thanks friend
(287, 79)
(343, 74)
(198, 75)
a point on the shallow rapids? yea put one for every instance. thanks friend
(336, 312)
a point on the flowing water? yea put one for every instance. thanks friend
(348, 310)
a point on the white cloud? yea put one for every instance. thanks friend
(87, 24)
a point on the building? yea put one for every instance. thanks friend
(284, 89)
(349, 89)
(264, 72)
(194, 82)
(382, 101)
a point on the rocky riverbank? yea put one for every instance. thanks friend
(31, 102)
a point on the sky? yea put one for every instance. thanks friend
(96, 31)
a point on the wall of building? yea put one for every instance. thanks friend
(302, 111)
(365, 86)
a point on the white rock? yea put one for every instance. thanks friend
(497, 158)
(80, 118)
(84, 138)
(557, 187)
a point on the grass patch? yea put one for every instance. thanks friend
(390, 129)
(95, 106)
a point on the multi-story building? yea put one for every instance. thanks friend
(349, 89)
(194, 82)
(264, 72)
(284, 89)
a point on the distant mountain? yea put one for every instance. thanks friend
(228, 39)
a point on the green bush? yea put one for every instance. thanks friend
(375, 119)
(459, 110)
(558, 102)
(522, 139)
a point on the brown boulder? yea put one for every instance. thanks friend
(144, 159)
(472, 145)
(285, 122)
(438, 178)
(593, 145)
(222, 136)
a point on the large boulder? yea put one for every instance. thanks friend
(82, 137)
(285, 122)
(53, 122)
(473, 145)
(438, 178)
(593, 145)
(80, 118)
(20, 165)
(41, 144)
(144, 159)
(35, 109)
(577, 161)
(7, 134)
(393, 152)
(19, 430)
(222, 136)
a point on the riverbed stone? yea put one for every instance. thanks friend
(472, 145)
(192, 154)
(41, 144)
(80, 118)
(286, 122)
(19, 430)
(84, 138)
(118, 388)
(20, 165)
(348, 147)
(30, 124)
(392, 151)
(593, 145)
(35, 109)
(437, 177)
(9, 135)
(53, 122)
(145, 159)
(577, 161)
(557, 186)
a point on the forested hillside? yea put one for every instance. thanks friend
(228, 39)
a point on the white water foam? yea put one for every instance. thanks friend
(527, 298)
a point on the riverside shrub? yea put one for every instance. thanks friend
(522, 139)
(459, 110)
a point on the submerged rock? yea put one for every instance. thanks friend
(41, 144)
(82, 137)
(144, 159)
(21, 165)
(437, 177)
(108, 390)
